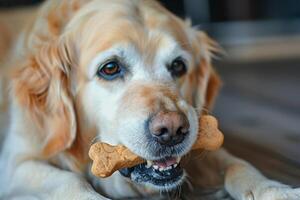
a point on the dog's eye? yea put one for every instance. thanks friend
(177, 67)
(109, 70)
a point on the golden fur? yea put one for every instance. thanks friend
(52, 92)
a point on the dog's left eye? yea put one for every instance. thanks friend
(110, 70)
(177, 68)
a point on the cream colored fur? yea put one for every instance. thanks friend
(58, 107)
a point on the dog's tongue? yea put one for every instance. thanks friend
(165, 163)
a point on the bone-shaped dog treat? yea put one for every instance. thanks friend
(107, 158)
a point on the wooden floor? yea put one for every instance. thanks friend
(259, 112)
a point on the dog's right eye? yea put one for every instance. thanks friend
(110, 70)
(177, 67)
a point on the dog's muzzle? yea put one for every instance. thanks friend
(166, 132)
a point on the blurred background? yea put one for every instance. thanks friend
(259, 104)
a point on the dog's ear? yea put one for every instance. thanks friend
(210, 48)
(42, 90)
(212, 89)
(202, 83)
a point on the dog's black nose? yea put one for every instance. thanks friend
(169, 128)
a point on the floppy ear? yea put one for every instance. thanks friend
(202, 84)
(212, 89)
(41, 88)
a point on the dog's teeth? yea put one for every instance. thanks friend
(160, 168)
(149, 163)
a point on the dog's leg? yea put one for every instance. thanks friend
(244, 182)
(39, 180)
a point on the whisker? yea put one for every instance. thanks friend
(179, 191)
(188, 182)
(202, 109)
(94, 140)
(168, 194)
(207, 111)
(160, 193)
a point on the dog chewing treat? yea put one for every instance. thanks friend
(107, 158)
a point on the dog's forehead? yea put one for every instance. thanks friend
(148, 31)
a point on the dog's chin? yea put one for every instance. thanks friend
(163, 175)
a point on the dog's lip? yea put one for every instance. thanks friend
(158, 172)
(158, 178)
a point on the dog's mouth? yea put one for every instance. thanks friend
(164, 174)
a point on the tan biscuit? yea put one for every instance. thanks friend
(107, 158)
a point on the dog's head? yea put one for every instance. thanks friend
(124, 72)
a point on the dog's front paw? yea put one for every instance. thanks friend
(273, 191)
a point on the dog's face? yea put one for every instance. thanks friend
(133, 69)
(140, 72)
(132, 95)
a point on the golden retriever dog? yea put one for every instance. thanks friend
(123, 72)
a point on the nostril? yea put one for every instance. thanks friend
(181, 131)
(163, 131)
(178, 139)
(160, 131)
